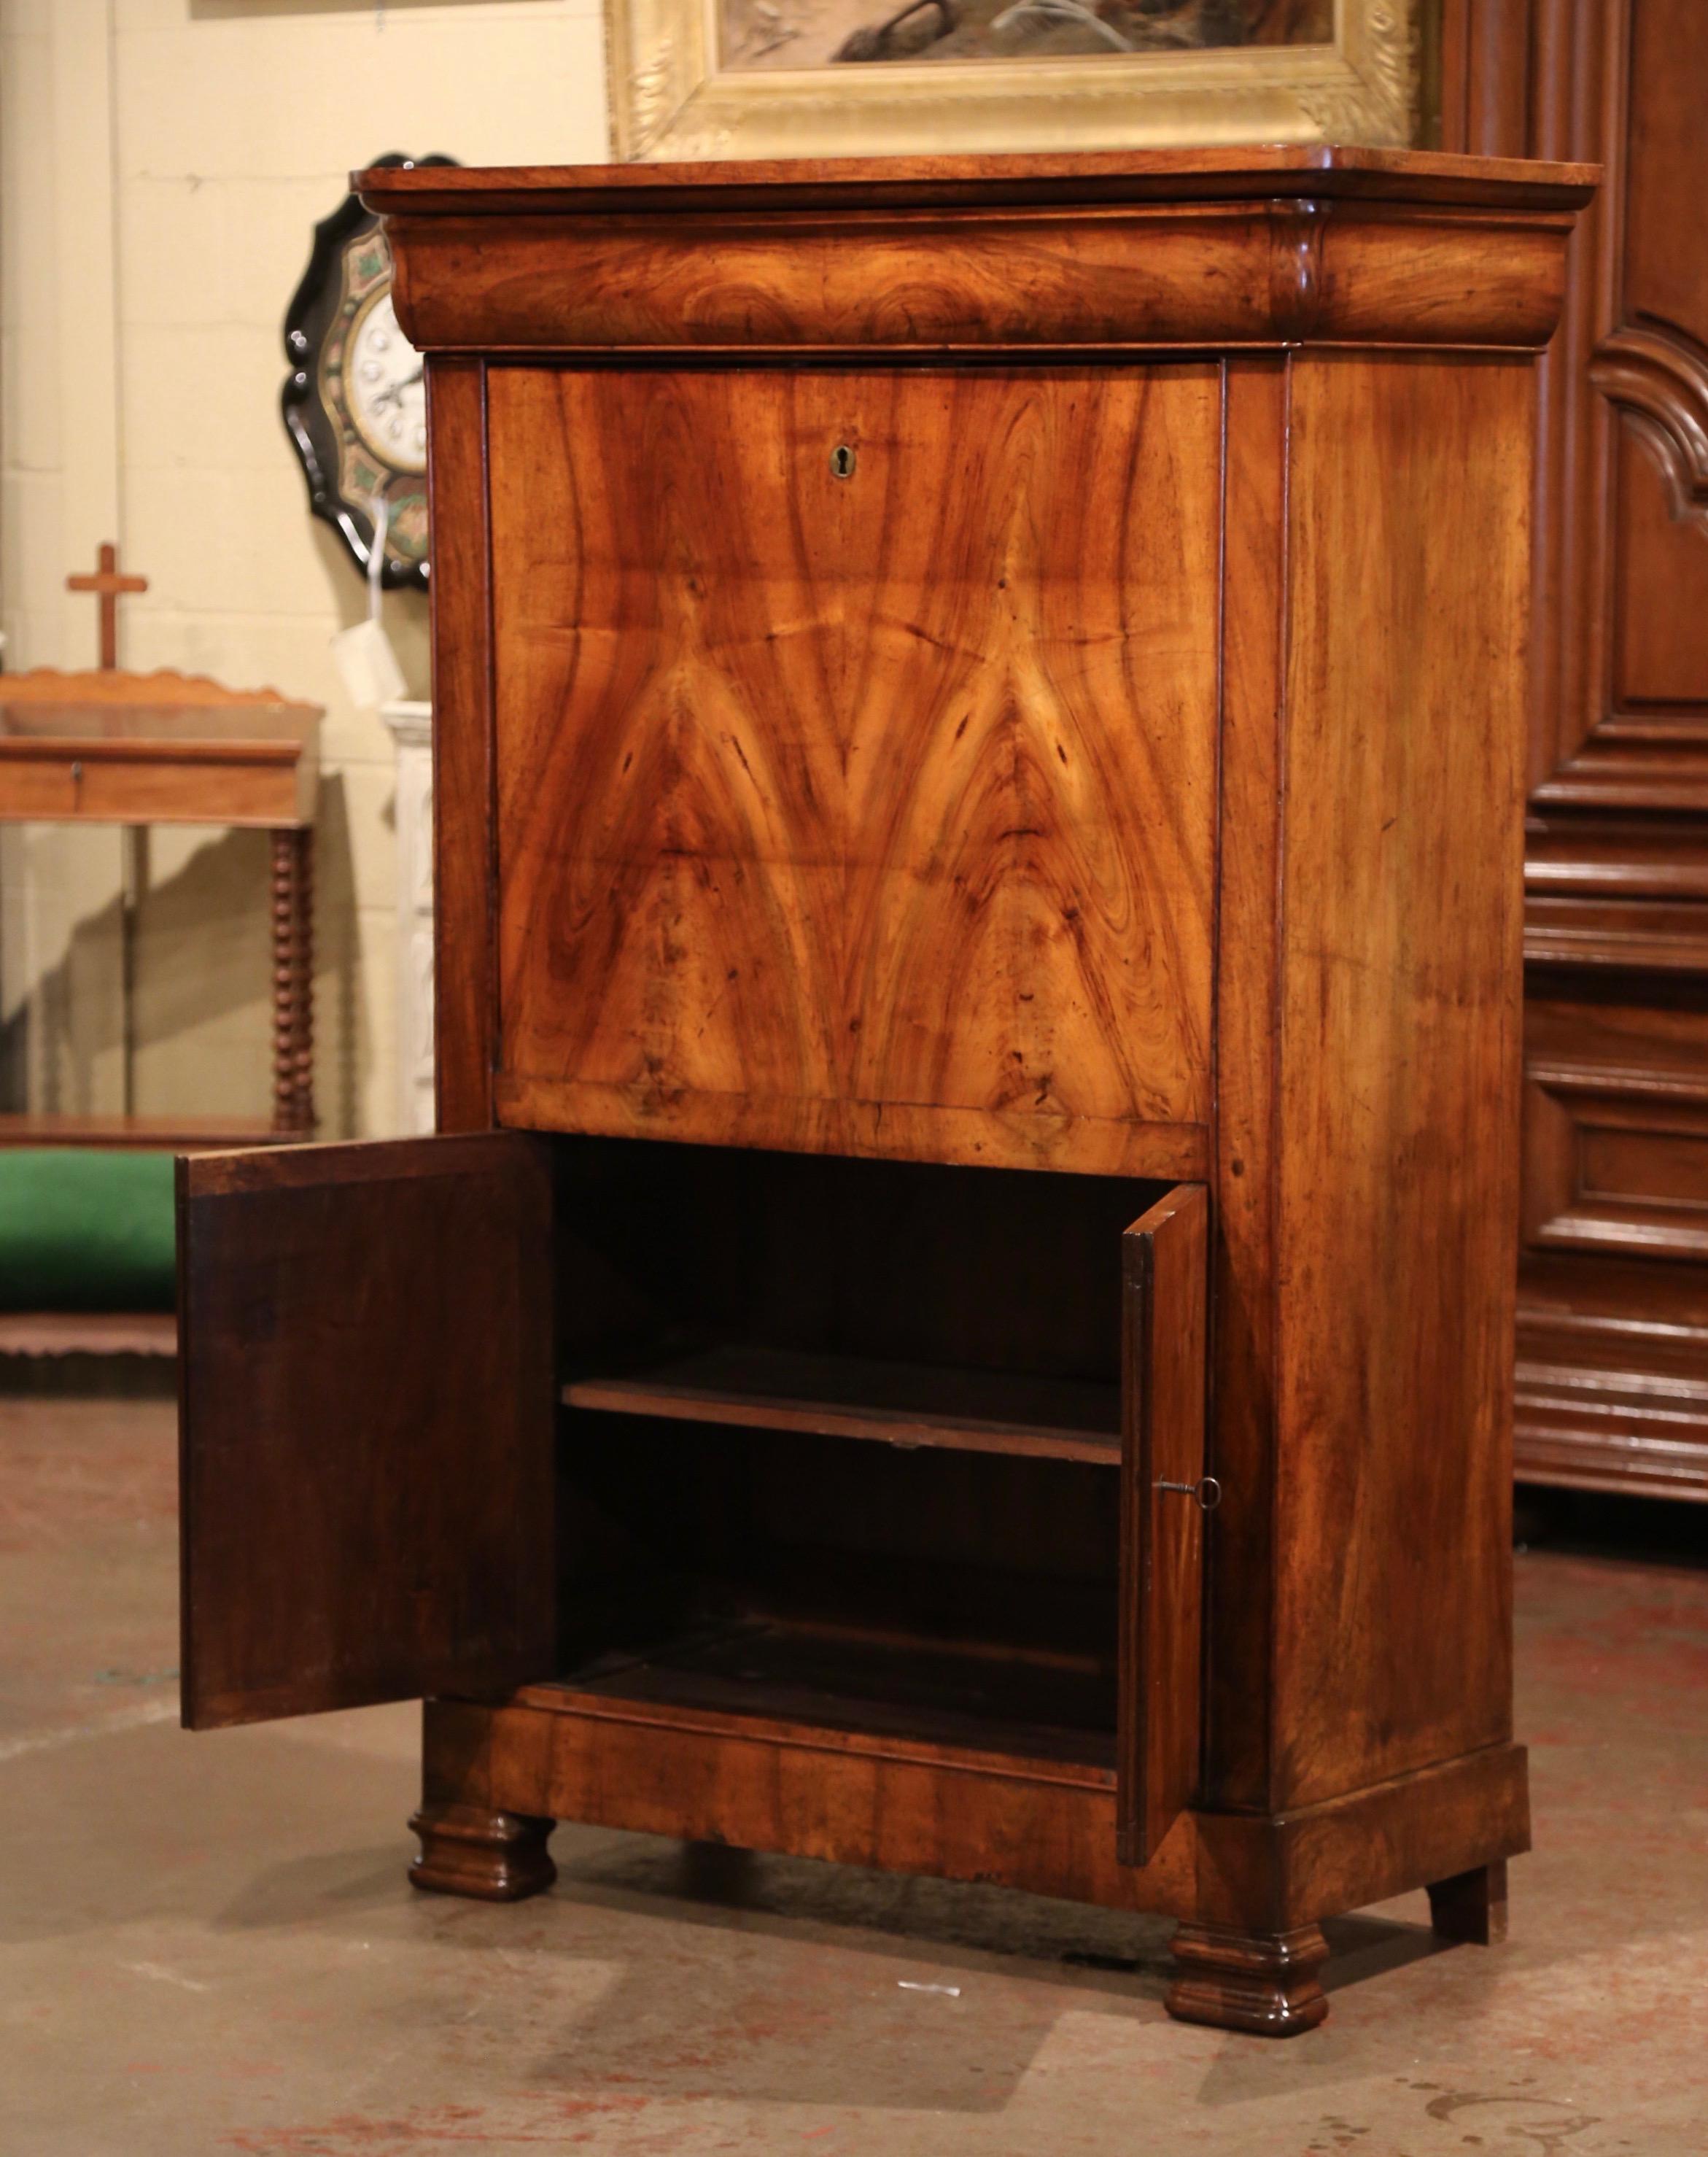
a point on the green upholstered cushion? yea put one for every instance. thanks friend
(86, 1228)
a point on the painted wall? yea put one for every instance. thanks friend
(162, 163)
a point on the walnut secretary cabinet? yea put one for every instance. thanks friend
(960, 1315)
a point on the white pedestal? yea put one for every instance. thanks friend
(411, 726)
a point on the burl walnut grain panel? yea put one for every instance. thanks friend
(894, 788)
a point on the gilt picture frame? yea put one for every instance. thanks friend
(695, 79)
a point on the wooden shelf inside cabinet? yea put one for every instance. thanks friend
(933, 1698)
(901, 1404)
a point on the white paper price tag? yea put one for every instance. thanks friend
(367, 667)
(367, 664)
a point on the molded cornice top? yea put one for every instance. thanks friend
(1109, 251)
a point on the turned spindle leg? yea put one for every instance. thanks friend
(304, 1085)
(1471, 1906)
(284, 923)
(466, 1849)
(1265, 1983)
(293, 981)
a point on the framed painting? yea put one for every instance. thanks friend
(847, 78)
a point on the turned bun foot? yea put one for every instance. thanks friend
(1471, 1906)
(1265, 1983)
(497, 1857)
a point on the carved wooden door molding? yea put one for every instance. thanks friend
(1612, 1309)
(1620, 697)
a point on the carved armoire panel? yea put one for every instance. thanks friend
(1621, 685)
(1613, 1385)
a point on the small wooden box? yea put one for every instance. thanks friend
(962, 1316)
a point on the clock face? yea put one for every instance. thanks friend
(384, 388)
(355, 401)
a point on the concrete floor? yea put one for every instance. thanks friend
(207, 1944)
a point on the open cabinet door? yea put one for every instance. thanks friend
(365, 1423)
(1164, 1261)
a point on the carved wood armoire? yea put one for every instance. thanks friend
(1612, 1321)
(960, 1317)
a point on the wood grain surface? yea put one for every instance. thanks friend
(891, 789)
(1240, 1556)
(1017, 280)
(1164, 1260)
(1265, 1984)
(1247, 172)
(170, 750)
(365, 1423)
(1143, 250)
(465, 971)
(904, 1404)
(1398, 1044)
(912, 1806)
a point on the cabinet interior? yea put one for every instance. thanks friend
(838, 1440)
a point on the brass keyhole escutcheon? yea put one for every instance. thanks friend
(842, 461)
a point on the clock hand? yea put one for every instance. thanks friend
(392, 392)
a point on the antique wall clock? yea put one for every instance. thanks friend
(355, 401)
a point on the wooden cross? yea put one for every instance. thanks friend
(107, 581)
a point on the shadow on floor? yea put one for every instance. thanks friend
(1599, 1524)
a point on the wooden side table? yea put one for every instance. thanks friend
(135, 750)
